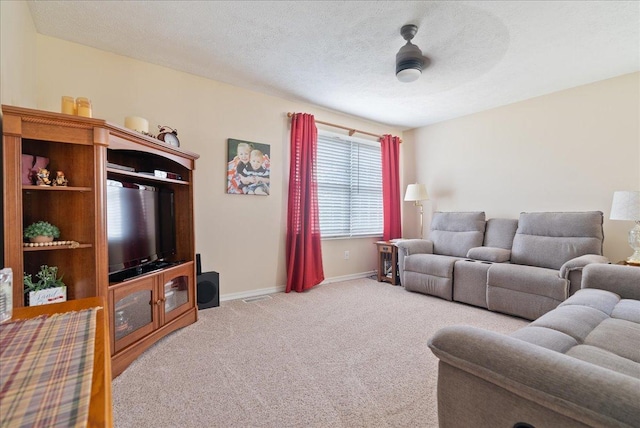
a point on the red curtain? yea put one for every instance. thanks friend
(304, 252)
(391, 187)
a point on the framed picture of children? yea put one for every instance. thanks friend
(248, 167)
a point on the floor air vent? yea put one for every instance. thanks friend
(256, 299)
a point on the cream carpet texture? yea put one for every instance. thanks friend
(347, 354)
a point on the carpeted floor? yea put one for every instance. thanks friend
(347, 354)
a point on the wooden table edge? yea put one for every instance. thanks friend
(100, 406)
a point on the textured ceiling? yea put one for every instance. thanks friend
(341, 55)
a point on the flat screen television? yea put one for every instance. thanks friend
(140, 225)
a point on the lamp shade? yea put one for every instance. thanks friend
(626, 205)
(416, 192)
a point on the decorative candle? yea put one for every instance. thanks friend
(84, 107)
(68, 105)
(139, 124)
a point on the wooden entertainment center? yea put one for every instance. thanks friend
(141, 309)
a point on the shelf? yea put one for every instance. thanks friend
(145, 176)
(56, 188)
(56, 247)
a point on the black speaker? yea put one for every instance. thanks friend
(208, 287)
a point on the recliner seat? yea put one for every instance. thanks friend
(452, 235)
(547, 248)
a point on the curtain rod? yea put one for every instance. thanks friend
(351, 130)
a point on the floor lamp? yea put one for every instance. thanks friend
(416, 193)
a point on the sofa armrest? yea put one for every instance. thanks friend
(583, 391)
(407, 247)
(619, 279)
(489, 254)
(415, 246)
(578, 263)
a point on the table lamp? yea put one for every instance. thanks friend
(416, 193)
(626, 206)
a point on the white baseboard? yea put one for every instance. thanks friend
(251, 293)
(279, 289)
(348, 277)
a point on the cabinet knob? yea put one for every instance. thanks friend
(159, 302)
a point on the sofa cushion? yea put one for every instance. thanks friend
(489, 254)
(528, 279)
(429, 274)
(550, 239)
(606, 359)
(628, 310)
(594, 298)
(454, 233)
(525, 291)
(574, 320)
(500, 232)
(620, 337)
(428, 284)
(546, 337)
(430, 264)
(590, 320)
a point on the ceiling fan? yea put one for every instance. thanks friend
(409, 60)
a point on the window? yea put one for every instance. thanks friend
(349, 174)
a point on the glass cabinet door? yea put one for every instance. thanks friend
(176, 291)
(133, 314)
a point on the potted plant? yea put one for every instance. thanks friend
(41, 231)
(47, 289)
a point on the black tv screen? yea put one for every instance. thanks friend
(140, 224)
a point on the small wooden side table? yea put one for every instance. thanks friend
(388, 262)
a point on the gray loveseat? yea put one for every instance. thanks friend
(576, 366)
(523, 267)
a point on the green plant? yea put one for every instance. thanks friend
(41, 228)
(47, 278)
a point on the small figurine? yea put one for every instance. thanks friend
(39, 162)
(60, 180)
(43, 177)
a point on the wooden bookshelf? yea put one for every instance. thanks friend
(82, 147)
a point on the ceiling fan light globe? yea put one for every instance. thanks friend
(409, 63)
(408, 75)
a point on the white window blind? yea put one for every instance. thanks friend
(349, 174)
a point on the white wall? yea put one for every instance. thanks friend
(567, 151)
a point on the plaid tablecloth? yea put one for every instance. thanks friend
(46, 366)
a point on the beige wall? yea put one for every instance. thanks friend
(567, 151)
(242, 237)
(18, 54)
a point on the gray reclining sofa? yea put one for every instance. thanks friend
(523, 267)
(576, 366)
